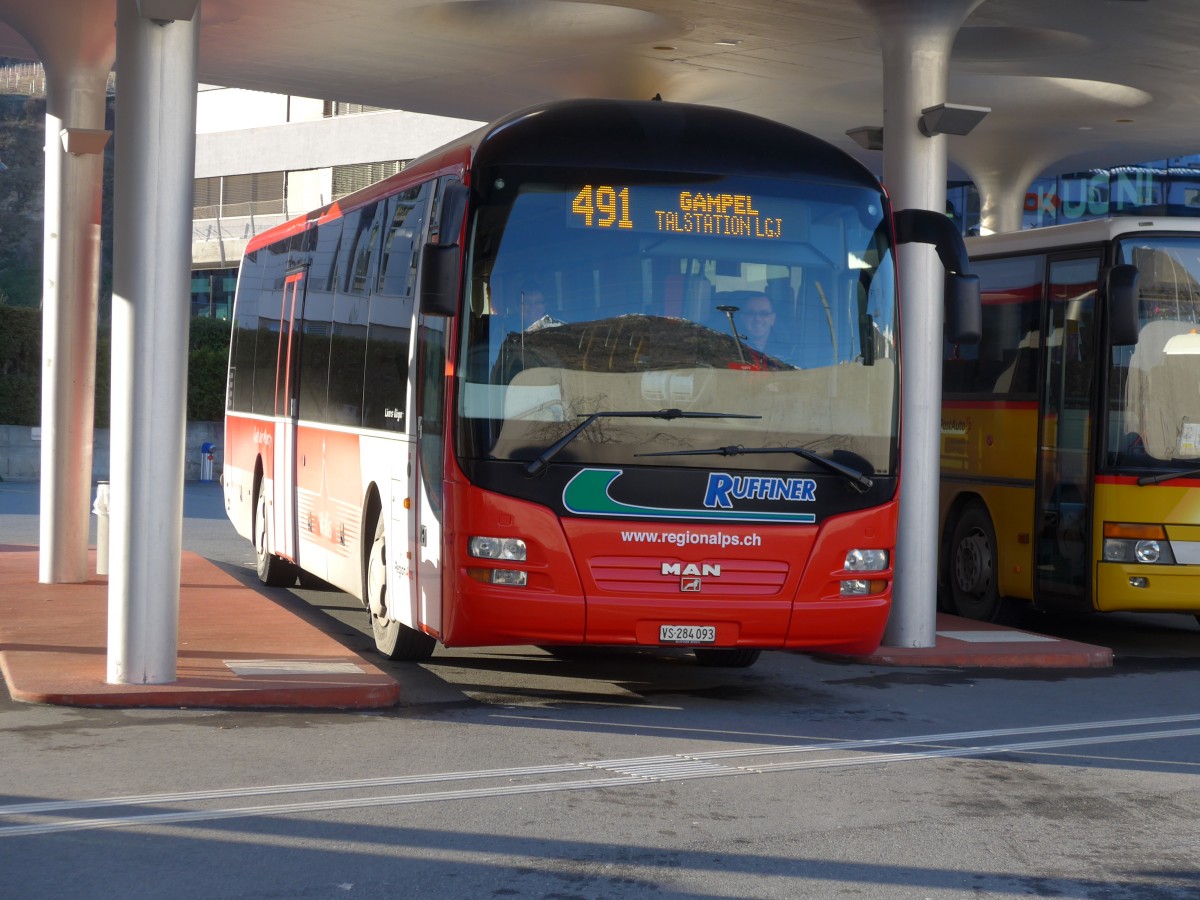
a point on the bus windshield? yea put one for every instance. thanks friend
(1154, 391)
(766, 306)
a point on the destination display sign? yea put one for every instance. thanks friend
(684, 211)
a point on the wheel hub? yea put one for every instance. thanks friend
(973, 565)
(377, 581)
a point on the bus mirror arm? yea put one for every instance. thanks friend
(964, 314)
(924, 226)
(1121, 289)
(440, 265)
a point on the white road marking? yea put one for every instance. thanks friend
(624, 773)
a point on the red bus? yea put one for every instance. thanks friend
(520, 392)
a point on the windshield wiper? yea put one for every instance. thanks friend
(857, 479)
(554, 449)
(1167, 476)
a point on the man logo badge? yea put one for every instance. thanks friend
(691, 574)
(713, 569)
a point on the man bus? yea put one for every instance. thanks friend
(616, 466)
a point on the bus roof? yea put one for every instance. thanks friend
(1075, 234)
(647, 135)
(663, 136)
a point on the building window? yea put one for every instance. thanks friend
(341, 108)
(258, 194)
(348, 179)
(212, 293)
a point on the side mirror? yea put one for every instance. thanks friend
(454, 206)
(964, 311)
(440, 264)
(1121, 291)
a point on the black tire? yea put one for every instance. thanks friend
(393, 639)
(274, 571)
(726, 657)
(971, 566)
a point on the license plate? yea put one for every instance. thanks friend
(687, 634)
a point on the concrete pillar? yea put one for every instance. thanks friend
(76, 43)
(916, 37)
(157, 43)
(1001, 204)
(1003, 173)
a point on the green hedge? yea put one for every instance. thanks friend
(208, 360)
(21, 364)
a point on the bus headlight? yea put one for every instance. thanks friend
(866, 561)
(510, 577)
(1147, 551)
(496, 548)
(1125, 543)
(858, 560)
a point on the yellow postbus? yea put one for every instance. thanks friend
(1070, 472)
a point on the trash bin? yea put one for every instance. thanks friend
(206, 461)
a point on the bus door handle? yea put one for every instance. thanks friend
(424, 536)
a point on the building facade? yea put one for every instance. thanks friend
(262, 159)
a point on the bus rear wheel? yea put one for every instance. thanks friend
(274, 571)
(393, 639)
(726, 658)
(972, 566)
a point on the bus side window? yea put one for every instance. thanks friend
(389, 328)
(270, 314)
(348, 333)
(402, 241)
(245, 330)
(1005, 362)
(318, 322)
(360, 239)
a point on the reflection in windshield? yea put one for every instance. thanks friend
(762, 298)
(1154, 395)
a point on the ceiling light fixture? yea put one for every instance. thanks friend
(950, 118)
(869, 137)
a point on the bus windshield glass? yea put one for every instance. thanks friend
(765, 305)
(1154, 390)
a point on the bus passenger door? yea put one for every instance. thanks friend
(1062, 533)
(431, 449)
(286, 383)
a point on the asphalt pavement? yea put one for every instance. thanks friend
(518, 772)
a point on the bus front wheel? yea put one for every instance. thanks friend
(972, 566)
(273, 570)
(393, 639)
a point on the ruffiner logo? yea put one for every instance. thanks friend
(724, 488)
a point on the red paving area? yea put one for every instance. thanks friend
(965, 643)
(239, 648)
